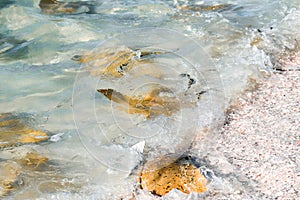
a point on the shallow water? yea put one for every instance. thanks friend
(91, 139)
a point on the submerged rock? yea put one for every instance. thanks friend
(9, 172)
(6, 3)
(205, 8)
(54, 7)
(14, 132)
(33, 161)
(31, 175)
(114, 62)
(26, 174)
(155, 102)
(182, 175)
(12, 48)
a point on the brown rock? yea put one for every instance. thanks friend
(179, 175)
(150, 104)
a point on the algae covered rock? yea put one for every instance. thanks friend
(14, 132)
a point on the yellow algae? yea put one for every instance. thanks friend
(182, 176)
(150, 104)
(14, 132)
(113, 62)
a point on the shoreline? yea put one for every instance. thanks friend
(256, 153)
(261, 140)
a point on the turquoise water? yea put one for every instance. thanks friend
(39, 77)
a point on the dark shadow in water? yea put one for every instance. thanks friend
(12, 48)
(6, 3)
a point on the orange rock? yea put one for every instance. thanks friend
(182, 176)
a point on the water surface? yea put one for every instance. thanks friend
(233, 44)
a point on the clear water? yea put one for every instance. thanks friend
(91, 138)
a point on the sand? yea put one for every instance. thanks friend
(261, 140)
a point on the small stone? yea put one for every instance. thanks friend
(56, 138)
